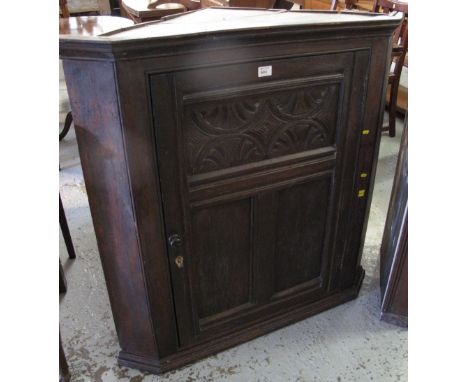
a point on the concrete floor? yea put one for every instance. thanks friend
(347, 343)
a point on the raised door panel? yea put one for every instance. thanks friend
(251, 180)
(300, 234)
(222, 258)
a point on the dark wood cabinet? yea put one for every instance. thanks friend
(229, 158)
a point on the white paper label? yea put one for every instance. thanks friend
(264, 71)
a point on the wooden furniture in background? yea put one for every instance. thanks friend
(397, 95)
(91, 25)
(252, 3)
(357, 5)
(62, 279)
(360, 5)
(64, 372)
(66, 126)
(402, 98)
(399, 51)
(142, 10)
(318, 4)
(266, 4)
(105, 7)
(229, 157)
(68, 243)
(66, 231)
(167, 7)
(385, 6)
(84, 8)
(394, 250)
(65, 13)
(115, 7)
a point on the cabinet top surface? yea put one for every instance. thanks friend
(211, 20)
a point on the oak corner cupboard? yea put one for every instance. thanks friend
(229, 158)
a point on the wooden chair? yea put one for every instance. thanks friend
(62, 279)
(283, 4)
(64, 12)
(394, 248)
(385, 6)
(399, 51)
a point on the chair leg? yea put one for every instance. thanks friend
(66, 231)
(62, 279)
(64, 372)
(66, 126)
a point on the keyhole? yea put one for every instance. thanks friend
(179, 260)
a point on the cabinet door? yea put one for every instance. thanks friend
(252, 164)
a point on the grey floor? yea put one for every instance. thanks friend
(347, 343)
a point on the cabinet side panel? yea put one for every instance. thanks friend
(94, 102)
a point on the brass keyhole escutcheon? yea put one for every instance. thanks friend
(179, 260)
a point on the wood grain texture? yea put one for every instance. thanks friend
(141, 11)
(240, 131)
(91, 25)
(220, 247)
(266, 4)
(300, 233)
(94, 103)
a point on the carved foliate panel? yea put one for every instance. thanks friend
(230, 132)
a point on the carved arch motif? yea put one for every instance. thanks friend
(226, 133)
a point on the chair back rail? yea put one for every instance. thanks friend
(399, 52)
